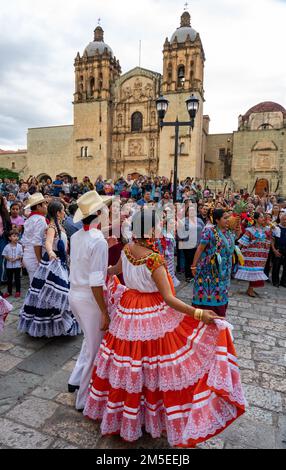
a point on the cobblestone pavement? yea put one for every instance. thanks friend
(37, 412)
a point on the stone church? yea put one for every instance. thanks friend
(116, 131)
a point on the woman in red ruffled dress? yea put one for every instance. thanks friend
(164, 366)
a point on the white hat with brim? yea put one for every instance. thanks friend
(34, 200)
(89, 204)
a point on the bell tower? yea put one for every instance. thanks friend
(183, 74)
(183, 62)
(96, 72)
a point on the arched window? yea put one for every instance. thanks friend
(170, 73)
(86, 152)
(82, 152)
(182, 148)
(136, 122)
(265, 126)
(181, 76)
(92, 84)
(100, 81)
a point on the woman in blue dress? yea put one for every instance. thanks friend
(212, 265)
(46, 311)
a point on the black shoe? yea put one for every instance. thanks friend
(81, 411)
(276, 285)
(73, 388)
(283, 285)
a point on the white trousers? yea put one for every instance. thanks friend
(88, 315)
(31, 263)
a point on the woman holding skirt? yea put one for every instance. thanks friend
(46, 311)
(164, 365)
(255, 246)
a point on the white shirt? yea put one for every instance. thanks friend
(137, 277)
(13, 251)
(89, 260)
(34, 232)
(67, 188)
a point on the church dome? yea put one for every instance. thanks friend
(97, 44)
(185, 30)
(265, 107)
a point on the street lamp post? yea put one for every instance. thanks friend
(162, 105)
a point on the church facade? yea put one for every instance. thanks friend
(115, 129)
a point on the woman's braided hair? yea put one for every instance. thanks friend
(53, 209)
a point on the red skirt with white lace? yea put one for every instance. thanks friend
(163, 371)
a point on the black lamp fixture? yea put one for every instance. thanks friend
(162, 105)
(193, 105)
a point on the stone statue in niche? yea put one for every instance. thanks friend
(153, 117)
(138, 91)
(135, 147)
(127, 93)
(119, 120)
(149, 90)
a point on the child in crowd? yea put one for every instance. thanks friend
(15, 217)
(13, 253)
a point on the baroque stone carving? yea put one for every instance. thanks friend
(135, 147)
(138, 90)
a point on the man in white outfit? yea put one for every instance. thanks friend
(35, 228)
(88, 272)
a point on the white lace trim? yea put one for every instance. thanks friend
(251, 276)
(190, 423)
(145, 327)
(171, 372)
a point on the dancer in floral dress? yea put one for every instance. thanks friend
(213, 264)
(255, 246)
(164, 365)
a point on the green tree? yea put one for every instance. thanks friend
(4, 173)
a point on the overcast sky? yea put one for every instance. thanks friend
(244, 43)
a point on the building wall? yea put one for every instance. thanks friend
(92, 129)
(50, 151)
(259, 154)
(14, 161)
(214, 166)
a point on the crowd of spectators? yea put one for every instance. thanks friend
(143, 191)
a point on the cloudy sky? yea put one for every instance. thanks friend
(244, 44)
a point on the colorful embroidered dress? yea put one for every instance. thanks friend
(255, 246)
(212, 278)
(159, 369)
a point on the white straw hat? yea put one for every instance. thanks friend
(89, 204)
(34, 200)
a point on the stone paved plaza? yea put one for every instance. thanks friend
(37, 412)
